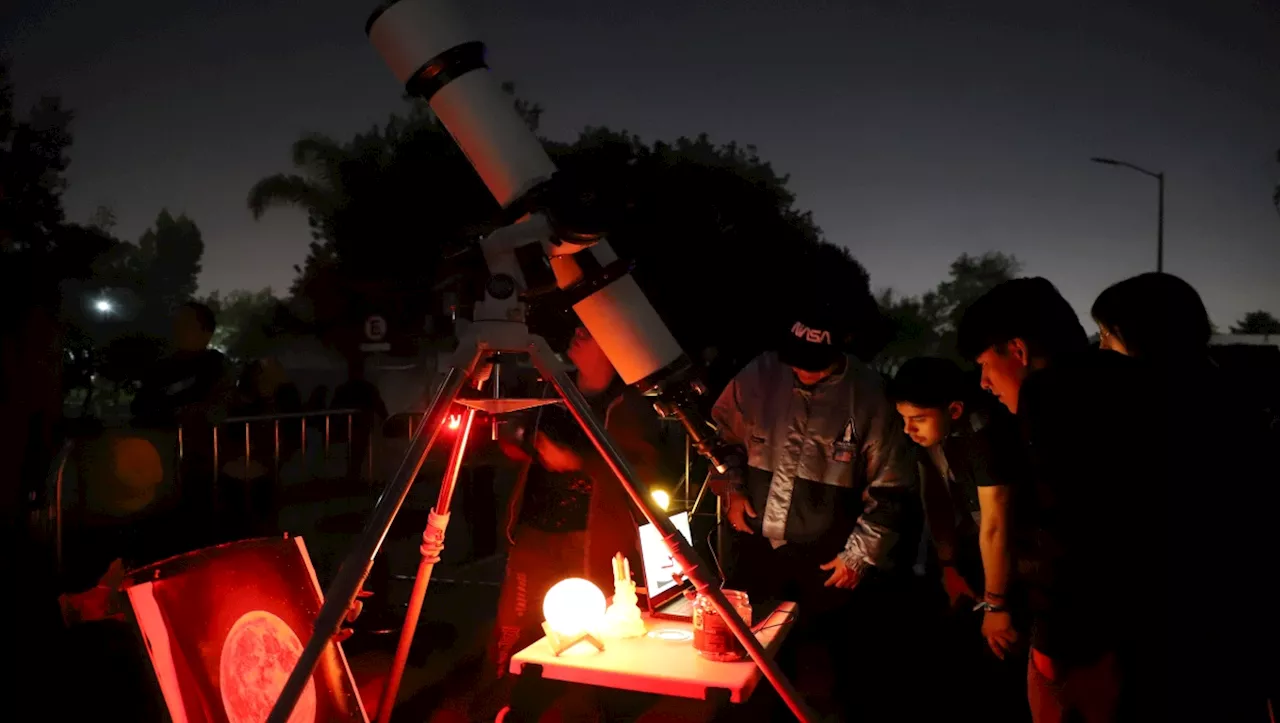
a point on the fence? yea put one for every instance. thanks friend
(246, 424)
(171, 451)
(239, 441)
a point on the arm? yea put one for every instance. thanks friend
(635, 428)
(938, 511)
(993, 538)
(940, 517)
(731, 425)
(890, 482)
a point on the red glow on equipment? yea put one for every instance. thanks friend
(432, 546)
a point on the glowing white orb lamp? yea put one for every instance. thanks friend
(574, 611)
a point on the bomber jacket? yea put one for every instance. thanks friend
(821, 464)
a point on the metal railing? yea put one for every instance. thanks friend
(682, 492)
(246, 425)
(301, 418)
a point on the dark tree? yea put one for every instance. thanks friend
(39, 255)
(927, 325)
(168, 257)
(909, 330)
(1257, 322)
(103, 219)
(382, 207)
(247, 322)
(146, 282)
(718, 243)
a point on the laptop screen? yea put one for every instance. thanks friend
(658, 564)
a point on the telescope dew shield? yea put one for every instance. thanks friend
(428, 47)
(621, 319)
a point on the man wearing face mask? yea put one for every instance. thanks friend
(819, 496)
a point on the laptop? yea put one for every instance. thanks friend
(664, 595)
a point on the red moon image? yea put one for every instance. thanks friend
(257, 657)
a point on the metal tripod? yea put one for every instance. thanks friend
(483, 339)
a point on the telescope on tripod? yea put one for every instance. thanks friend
(553, 240)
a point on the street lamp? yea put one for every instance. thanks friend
(1160, 213)
(103, 306)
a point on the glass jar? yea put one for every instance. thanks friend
(712, 637)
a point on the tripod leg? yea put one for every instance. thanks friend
(681, 550)
(355, 568)
(432, 546)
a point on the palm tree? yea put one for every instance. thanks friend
(318, 189)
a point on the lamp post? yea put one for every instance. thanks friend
(1160, 208)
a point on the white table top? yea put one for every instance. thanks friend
(662, 662)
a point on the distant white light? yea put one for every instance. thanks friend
(103, 306)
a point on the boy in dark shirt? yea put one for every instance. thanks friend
(189, 385)
(189, 392)
(970, 466)
(1093, 493)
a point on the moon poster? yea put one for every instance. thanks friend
(224, 627)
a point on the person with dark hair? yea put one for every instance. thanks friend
(819, 494)
(969, 469)
(189, 392)
(1153, 315)
(206, 321)
(1096, 492)
(191, 384)
(1160, 321)
(968, 472)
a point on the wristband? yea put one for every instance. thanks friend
(987, 607)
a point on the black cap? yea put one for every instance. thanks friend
(812, 339)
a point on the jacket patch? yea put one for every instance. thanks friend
(842, 449)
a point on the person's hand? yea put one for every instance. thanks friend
(556, 457)
(1044, 665)
(104, 601)
(843, 575)
(997, 628)
(739, 510)
(483, 371)
(958, 590)
(353, 613)
(513, 451)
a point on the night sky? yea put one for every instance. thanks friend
(912, 131)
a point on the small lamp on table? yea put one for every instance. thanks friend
(573, 611)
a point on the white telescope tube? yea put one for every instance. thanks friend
(473, 107)
(428, 47)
